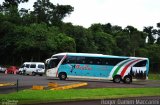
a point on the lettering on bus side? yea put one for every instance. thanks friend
(85, 67)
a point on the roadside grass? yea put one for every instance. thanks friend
(154, 76)
(42, 96)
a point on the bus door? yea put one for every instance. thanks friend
(52, 66)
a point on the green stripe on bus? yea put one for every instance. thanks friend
(117, 69)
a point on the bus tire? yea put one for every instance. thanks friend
(117, 79)
(33, 73)
(20, 72)
(127, 79)
(40, 74)
(62, 76)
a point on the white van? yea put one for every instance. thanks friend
(32, 68)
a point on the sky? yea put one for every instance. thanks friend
(137, 13)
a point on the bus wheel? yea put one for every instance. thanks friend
(20, 73)
(33, 73)
(117, 79)
(40, 74)
(62, 76)
(127, 79)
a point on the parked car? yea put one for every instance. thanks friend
(12, 69)
(2, 69)
(32, 68)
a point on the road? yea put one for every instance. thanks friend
(26, 82)
(149, 100)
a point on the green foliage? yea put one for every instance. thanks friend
(155, 76)
(47, 12)
(104, 42)
(123, 43)
(82, 37)
(149, 30)
(152, 52)
(65, 43)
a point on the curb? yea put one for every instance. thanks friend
(7, 84)
(70, 86)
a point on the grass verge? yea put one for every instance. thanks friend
(40, 96)
(154, 76)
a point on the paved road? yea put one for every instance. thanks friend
(151, 100)
(28, 81)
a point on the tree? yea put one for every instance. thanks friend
(158, 25)
(10, 9)
(158, 33)
(96, 28)
(81, 36)
(36, 42)
(107, 28)
(153, 55)
(47, 12)
(158, 41)
(142, 52)
(137, 39)
(104, 42)
(116, 29)
(65, 43)
(123, 43)
(150, 31)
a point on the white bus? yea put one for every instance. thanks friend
(97, 66)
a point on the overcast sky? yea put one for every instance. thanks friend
(138, 13)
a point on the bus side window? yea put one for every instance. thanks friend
(93, 60)
(70, 60)
(140, 64)
(112, 61)
(89, 60)
(80, 60)
(99, 61)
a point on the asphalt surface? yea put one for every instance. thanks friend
(25, 82)
(150, 100)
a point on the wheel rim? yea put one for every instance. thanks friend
(127, 80)
(117, 79)
(34, 73)
(63, 76)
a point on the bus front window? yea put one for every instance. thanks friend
(53, 63)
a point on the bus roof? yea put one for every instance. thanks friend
(95, 55)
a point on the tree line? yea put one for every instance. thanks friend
(35, 35)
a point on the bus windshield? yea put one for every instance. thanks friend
(54, 61)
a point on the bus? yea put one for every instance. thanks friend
(97, 66)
